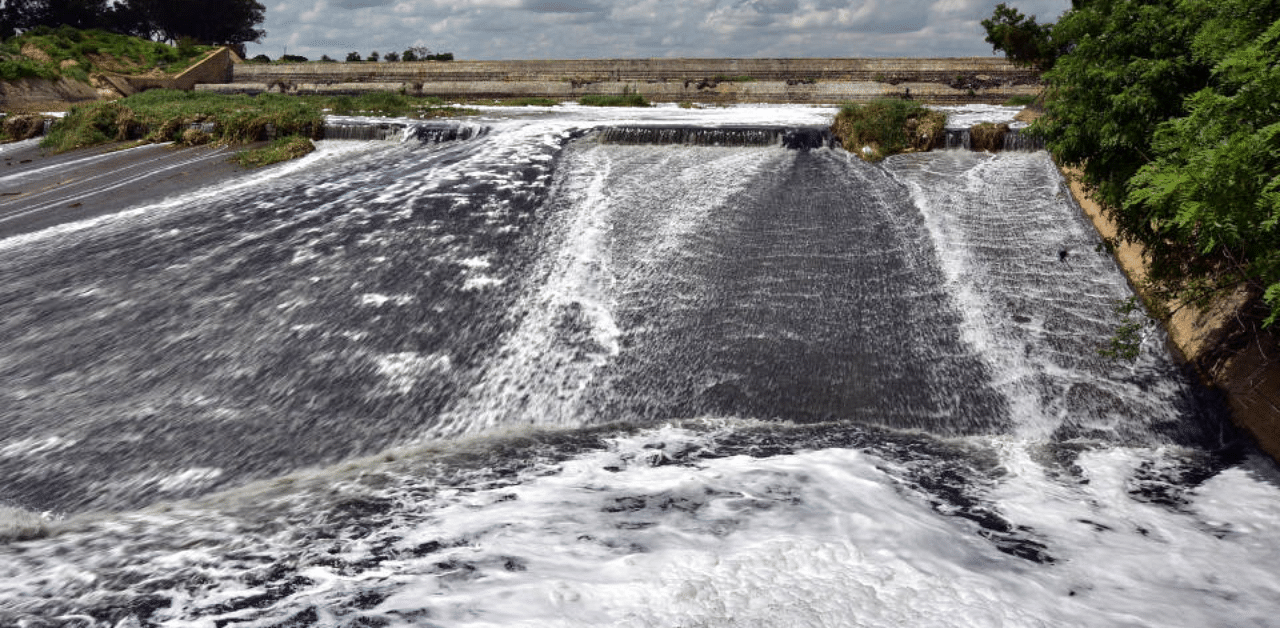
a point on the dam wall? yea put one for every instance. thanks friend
(949, 80)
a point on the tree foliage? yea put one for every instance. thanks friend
(1169, 110)
(204, 21)
(1023, 41)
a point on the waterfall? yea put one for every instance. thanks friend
(575, 369)
(1016, 140)
(1013, 140)
(374, 129)
(800, 138)
(958, 139)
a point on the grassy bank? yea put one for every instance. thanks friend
(167, 115)
(888, 127)
(49, 53)
(192, 118)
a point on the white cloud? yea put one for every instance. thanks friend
(575, 29)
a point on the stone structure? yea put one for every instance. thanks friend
(216, 67)
(978, 79)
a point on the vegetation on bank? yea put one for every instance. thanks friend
(50, 53)
(170, 115)
(203, 21)
(391, 104)
(887, 127)
(613, 100)
(1168, 108)
(166, 115)
(283, 149)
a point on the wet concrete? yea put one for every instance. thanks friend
(39, 189)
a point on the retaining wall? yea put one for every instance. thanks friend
(217, 67)
(978, 79)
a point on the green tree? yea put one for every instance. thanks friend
(22, 15)
(353, 57)
(1211, 196)
(206, 21)
(1167, 107)
(1023, 41)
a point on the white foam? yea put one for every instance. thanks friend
(403, 370)
(374, 299)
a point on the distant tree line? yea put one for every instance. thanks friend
(417, 53)
(1170, 110)
(201, 21)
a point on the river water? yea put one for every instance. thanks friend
(521, 372)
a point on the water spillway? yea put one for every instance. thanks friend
(800, 138)
(431, 132)
(544, 378)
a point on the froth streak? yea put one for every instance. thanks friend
(797, 138)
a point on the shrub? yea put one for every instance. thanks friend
(888, 126)
(988, 136)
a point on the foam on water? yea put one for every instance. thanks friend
(498, 292)
(674, 526)
(1038, 295)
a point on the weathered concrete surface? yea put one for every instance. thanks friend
(980, 79)
(1222, 342)
(30, 94)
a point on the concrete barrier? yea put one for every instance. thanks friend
(977, 79)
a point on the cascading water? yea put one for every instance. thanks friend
(366, 129)
(556, 377)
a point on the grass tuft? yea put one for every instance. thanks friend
(283, 149)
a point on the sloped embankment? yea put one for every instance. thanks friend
(39, 94)
(1223, 342)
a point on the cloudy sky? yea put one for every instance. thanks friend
(582, 29)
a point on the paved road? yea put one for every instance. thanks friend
(40, 190)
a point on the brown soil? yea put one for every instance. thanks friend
(30, 51)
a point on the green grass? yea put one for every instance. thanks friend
(887, 127)
(283, 149)
(91, 50)
(164, 115)
(1019, 101)
(385, 104)
(622, 100)
(529, 102)
(167, 115)
(721, 78)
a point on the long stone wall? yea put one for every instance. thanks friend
(978, 79)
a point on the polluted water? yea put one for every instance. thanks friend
(566, 366)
